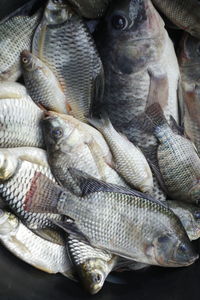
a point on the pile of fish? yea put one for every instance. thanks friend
(100, 148)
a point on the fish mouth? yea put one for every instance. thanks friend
(173, 263)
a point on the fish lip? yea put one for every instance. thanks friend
(182, 264)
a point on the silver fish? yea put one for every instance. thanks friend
(41, 83)
(123, 221)
(32, 249)
(63, 43)
(16, 33)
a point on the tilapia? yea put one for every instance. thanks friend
(16, 33)
(131, 40)
(128, 159)
(70, 145)
(116, 219)
(20, 122)
(183, 13)
(15, 180)
(189, 216)
(189, 60)
(177, 161)
(42, 84)
(32, 249)
(92, 265)
(90, 9)
(63, 42)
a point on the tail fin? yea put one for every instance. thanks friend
(155, 114)
(102, 123)
(43, 195)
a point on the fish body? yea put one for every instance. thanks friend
(15, 180)
(125, 222)
(129, 161)
(189, 60)
(92, 265)
(189, 216)
(15, 36)
(10, 90)
(185, 14)
(20, 119)
(90, 9)
(32, 249)
(178, 161)
(41, 84)
(69, 145)
(63, 43)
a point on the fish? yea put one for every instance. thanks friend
(32, 249)
(20, 122)
(132, 42)
(90, 9)
(16, 32)
(129, 161)
(189, 216)
(177, 163)
(92, 265)
(15, 180)
(122, 221)
(189, 60)
(185, 14)
(42, 85)
(10, 90)
(62, 41)
(70, 145)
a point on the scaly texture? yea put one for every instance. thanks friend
(90, 9)
(183, 13)
(68, 49)
(20, 123)
(15, 36)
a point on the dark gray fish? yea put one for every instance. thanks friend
(189, 60)
(123, 221)
(62, 41)
(185, 14)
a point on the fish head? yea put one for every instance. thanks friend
(173, 249)
(8, 165)
(194, 193)
(189, 57)
(8, 222)
(57, 133)
(131, 29)
(57, 12)
(93, 274)
(29, 61)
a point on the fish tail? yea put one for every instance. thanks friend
(102, 123)
(155, 115)
(43, 195)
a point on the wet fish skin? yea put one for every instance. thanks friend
(189, 216)
(189, 60)
(41, 83)
(20, 119)
(92, 265)
(32, 249)
(10, 90)
(63, 42)
(16, 176)
(69, 145)
(90, 9)
(177, 158)
(128, 159)
(106, 215)
(185, 14)
(15, 35)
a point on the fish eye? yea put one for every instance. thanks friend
(97, 278)
(163, 239)
(182, 248)
(119, 22)
(197, 215)
(57, 133)
(57, 1)
(25, 60)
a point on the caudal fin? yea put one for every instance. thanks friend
(43, 195)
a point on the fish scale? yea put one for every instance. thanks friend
(16, 34)
(13, 191)
(64, 53)
(19, 117)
